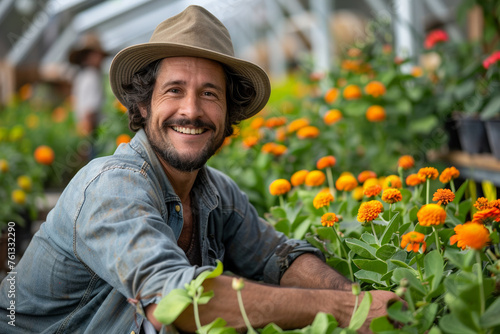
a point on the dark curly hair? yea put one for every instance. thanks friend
(239, 94)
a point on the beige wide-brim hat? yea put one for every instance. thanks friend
(195, 32)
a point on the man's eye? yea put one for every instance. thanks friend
(174, 90)
(209, 94)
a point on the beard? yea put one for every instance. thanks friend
(167, 152)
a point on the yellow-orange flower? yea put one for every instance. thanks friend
(368, 211)
(375, 113)
(346, 182)
(375, 88)
(250, 141)
(274, 122)
(281, 134)
(406, 162)
(308, 132)
(392, 181)
(372, 190)
(495, 204)
(122, 139)
(120, 107)
(257, 123)
(44, 155)
(32, 121)
(323, 198)
(315, 178)
(298, 178)
(391, 195)
(482, 203)
(428, 173)
(471, 235)
(412, 241)
(370, 182)
(365, 175)
(268, 147)
(352, 92)
(487, 216)
(431, 214)
(18, 196)
(417, 71)
(449, 174)
(279, 187)
(332, 116)
(298, 124)
(60, 114)
(326, 161)
(279, 150)
(25, 92)
(443, 196)
(331, 95)
(329, 219)
(358, 193)
(414, 180)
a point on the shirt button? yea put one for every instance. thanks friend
(132, 332)
(177, 208)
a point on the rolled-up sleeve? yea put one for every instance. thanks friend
(121, 235)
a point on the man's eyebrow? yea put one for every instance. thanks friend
(183, 83)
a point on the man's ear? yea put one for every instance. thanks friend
(144, 111)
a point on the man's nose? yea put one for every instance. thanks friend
(191, 107)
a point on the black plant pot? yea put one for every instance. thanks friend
(493, 133)
(472, 135)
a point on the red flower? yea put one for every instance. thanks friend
(434, 37)
(493, 58)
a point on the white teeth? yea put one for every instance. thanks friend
(188, 130)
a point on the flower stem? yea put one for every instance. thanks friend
(452, 186)
(244, 313)
(480, 280)
(329, 176)
(282, 201)
(196, 313)
(438, 243)
(374, 233)
(340, 242)
(355, 308)
(428, 190)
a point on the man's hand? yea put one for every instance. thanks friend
(380, 302)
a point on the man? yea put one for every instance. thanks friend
(151, 217)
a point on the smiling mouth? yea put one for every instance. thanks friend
(189, 131)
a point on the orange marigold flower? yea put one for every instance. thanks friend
(268, 147)
(414, 180)
(298, 124)
(443, 196)
(274, 122)
(352, 92)
(412, 241)
(250, 141)
(428, 173)
(299, 177)
(329, 219)
(280, 134)
(279, 150)
(487, 216)
(44, 155)
(358, 193)
(323, 198)
(431, 214)
(315, 178)
(368, 211)
(417, 71)
(326, 161)
(346, 182)
(449, 174)
(331, 95)
(375, 114)
(257, 123)
(406, 162)
(482, 203)
(392, 181)
(495, 204)
(391, 195)
(279, 187)
(471, 235)
(365, 175)
(372, 190)
(308, 132)
(332, 116)
(375, 88)
(370, 182)
(122, 139)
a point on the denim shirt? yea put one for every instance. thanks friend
(112, 236)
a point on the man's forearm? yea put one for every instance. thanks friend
(308, 271)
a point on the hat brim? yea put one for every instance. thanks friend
(132, 59)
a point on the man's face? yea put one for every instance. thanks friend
(185, 124)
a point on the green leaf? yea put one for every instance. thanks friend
(390, 229)
(382, 325)
(404, 106)
(414, 282)
(361, 248)
(433, 264)
(428, 316)
(492, 109)
(171, 306)
(370, 277)
(271, 328)
(205, 297)
(396, 312)
(490, 317)
(217, 271)
(361, 313)
(371, 265)
(460, 192)
(323, 323)
(278, 212)
(449, 323)
(401, 264)
(301, 229)
(368, 238)
(217, 327)
(423, 125)
(283, 226)
(386, 252)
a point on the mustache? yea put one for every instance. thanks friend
(198, 123)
